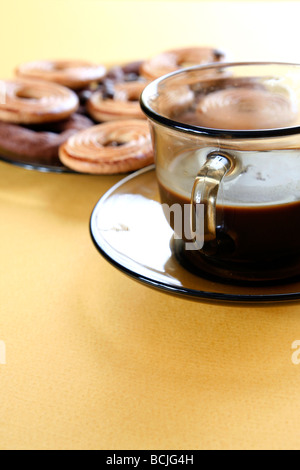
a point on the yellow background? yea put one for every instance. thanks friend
(113, 30)
(95, 360)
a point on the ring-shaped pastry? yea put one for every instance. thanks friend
(75, 74)
(124, 104)
(109, 148)
(35, 101)
(175, 59)
(246, 108)
(39, 144)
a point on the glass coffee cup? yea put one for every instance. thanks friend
(227, 141)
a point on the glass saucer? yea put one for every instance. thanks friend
(36, 166)
(129, 229)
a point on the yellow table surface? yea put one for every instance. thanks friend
(95, 360)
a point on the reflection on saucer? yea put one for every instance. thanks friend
(134, 230)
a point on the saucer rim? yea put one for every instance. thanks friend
(167, 288)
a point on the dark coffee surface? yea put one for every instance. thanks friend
(260, 241)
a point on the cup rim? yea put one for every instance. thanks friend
(207, 131)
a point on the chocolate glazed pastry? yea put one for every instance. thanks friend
(124, 103)
(127, 73)
(39, 144)
(116, 75)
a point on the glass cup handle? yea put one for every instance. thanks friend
(205, 192)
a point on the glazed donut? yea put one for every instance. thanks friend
(73, 74)
(176, 59)
(246, 108)
(109, 148)
(124, 104)
(38, 144)
(35, 101)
